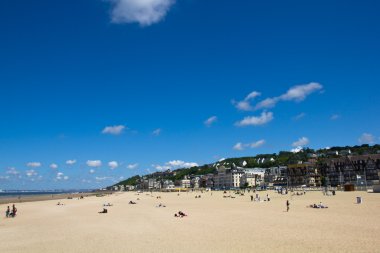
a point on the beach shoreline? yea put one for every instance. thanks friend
(43, 197)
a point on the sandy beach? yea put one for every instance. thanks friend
(213, 224)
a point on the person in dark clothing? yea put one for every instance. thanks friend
(287, 205)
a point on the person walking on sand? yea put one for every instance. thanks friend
(287, 205)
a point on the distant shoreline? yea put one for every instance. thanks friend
(41, 197)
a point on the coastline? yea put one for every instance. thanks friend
(43, 197)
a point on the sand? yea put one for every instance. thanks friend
(214, 224)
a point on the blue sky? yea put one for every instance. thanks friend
(93, 91)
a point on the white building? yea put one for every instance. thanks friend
(185, 183)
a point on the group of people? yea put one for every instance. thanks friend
(198, 196)
(11, 213)
(257, 198)
(180, 214)
(318, 206)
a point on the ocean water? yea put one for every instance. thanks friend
(34, 193)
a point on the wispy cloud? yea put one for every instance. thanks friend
(71, 162)
(34, 164)
(133, 166)
(299, 116)
(210, 121)
(296, 93)
(103, 178)
(257, 144)
(366, 138)
(245, 105)
(113, 165)
(335, 117)
(241, 146)
(12, 171)
(94, 163)
(238, 146)
(114, 130)
(301, 142)
(92, 171)
(157, 132)
(143, 12)
(264, 118)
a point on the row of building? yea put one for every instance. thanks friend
(359, 169)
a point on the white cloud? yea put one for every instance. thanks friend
(241, 146)
(31, 173)
(157, 132)
(4, 177)
(366, 138)
(252, 95)
(238, 146)
(143, 12)
(94, 163)
(53, 166)
(296, 93)
(34, 164)
(245, 105)
(61, 176)
(267, 103)
(257, 144)
(133, 166)
(182, 164)
(12, 171)
(297, 150)
(161, 167)
(264, 118)
(335, 117)
(92, 171)
(301, 142)
(175, 164)
(300, 92)
(114, 130)
(299, 116)
(211, 121)
(71, 162)
(113, 165)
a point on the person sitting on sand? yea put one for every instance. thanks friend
(8, 212)
(132, 203)
(104, 211)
